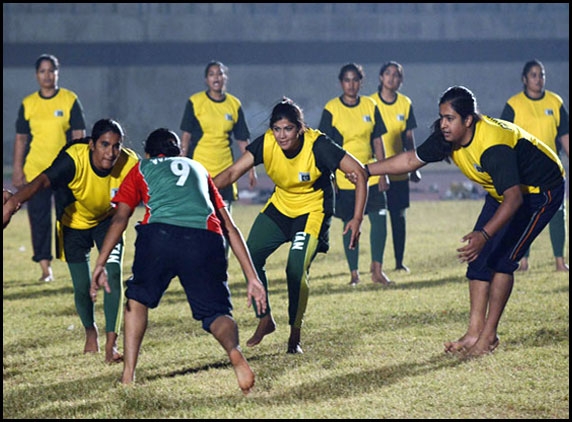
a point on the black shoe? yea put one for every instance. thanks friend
(402, 268)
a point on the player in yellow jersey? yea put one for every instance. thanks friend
(397, 114)
(525, 183)
(211, 121)
(542, 113)
(47, 120)
(354, 123)
(301, 162)
(86, 175)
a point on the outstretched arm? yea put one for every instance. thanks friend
(235, 171)
(409, 145)
(404, 162)
(118, 225)
(255, 289)
(12, 204)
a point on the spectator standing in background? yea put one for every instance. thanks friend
(542, 113)
(209, 120)
(354, 123)
(47, 120)
(397, 114)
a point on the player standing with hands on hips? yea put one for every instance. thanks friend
(180, 235)
(525, 182)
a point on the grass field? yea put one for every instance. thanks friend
(369, 352)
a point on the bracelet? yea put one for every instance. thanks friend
(367, 171)
(485, 235)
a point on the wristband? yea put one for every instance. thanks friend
(485, 235)
(367, 171)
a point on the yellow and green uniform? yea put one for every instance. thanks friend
(83, 211)
(398, 118)
(48, 123)
(545, 117)
(548, 120)
(354, 127)
(211, 124)
(299, 210)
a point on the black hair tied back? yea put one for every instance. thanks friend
(163, 142)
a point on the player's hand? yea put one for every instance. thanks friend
(99, 279)
(383, 183)
(9, 208)
(475, 244)
(354, 225)
(256, 294)
(352, 177)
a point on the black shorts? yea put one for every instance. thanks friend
(196, 256)
(398, 195)
(76, 244)
(346, 199)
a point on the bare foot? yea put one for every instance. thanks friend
(266, 325)
(381, 278)
(378, 276)
(355, 278)
(244, 374)
(112, 354)
(127, 377)
(464, 343)
(91, 340)
(115, 357)
(481, 348)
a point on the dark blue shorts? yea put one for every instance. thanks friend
(196, 256)
(503, 252)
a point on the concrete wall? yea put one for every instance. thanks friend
(94, 43)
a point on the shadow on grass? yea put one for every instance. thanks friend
(200, 368)
(43, 290)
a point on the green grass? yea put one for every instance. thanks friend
(370, 352)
